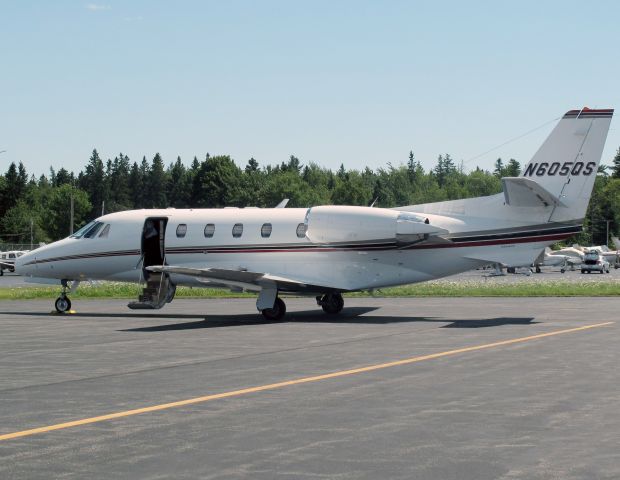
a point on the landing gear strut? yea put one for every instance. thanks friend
(331, 302)
(276, 312)
(63, 303)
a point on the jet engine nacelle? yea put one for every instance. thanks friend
(334, 224)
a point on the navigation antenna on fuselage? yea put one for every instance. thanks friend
(282, 204)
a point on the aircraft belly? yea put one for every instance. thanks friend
(357, 270)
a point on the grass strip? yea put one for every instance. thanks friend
(427, 289)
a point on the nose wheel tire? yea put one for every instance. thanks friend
(277, 312)
(62, 304)
(331, 303)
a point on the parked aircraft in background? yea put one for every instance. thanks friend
(574, 256)
(548, 259)
(325, 251)
(7, 260)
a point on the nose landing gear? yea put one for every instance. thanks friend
(63, 304)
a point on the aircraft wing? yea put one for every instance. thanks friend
(236, 279)
(7, 265)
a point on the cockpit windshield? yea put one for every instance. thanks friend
(89, 230)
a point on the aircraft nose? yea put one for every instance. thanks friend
(21, 264)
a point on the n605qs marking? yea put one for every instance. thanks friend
(557, 168)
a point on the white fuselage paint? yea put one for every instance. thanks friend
(118, 256)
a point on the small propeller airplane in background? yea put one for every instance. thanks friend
(324, 251)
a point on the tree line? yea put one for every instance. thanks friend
(41, 206)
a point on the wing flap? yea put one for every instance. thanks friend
(240, 278)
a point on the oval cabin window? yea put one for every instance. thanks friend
(209, 230)
(301, 230)
(181, 230)
(237, 230)
(265, 230)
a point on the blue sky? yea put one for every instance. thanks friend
(353, 82)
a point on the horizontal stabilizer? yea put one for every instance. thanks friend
(524, 192)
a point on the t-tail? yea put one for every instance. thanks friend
(562, 172)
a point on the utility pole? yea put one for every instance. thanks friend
(31, 226)
(71, 222)
(103, 208)
(607, 235)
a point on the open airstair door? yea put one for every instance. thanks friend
(158, 290)
(153, 243)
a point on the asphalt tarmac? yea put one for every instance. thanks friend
(480, 388)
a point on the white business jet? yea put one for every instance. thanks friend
(325, 251)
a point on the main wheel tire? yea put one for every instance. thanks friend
(277, 312)
(62, 304)
(332, 303)
(538, 269)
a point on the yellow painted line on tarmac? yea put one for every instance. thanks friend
(288, 383)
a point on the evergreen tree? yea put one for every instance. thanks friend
(157, 183)
(513, 169)
(615, 169)
(93, 182)
(440, 171)
(499, 168)
(15, 186)
(252, 166)
(136, 186)
(146, 197)
(342, 172)
(178, 187)
(63, 177)
(293, 165)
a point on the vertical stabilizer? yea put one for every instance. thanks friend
(567, 162)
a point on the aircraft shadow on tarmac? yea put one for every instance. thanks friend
(352, 315)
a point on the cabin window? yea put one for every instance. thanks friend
(11, 255)
(265, 230)
(181, 230)
(301, 230)
(209, 230)
(237, 230)
(88, 231)
(104, 233)
(92, 231)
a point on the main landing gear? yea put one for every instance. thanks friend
(63, 304)
(331, 303)
(276, 312)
